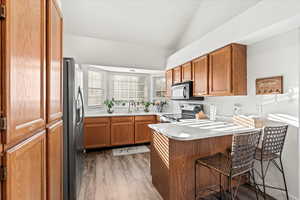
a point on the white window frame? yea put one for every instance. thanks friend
(85, 86)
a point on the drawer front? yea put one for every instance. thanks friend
(145, 118)
(122, 119)
(92, 120)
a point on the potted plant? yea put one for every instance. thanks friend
(147, 104)
(109, 104)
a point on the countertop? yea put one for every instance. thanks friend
(116, 114)
(199, 129)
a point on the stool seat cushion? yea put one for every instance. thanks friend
(222, 164)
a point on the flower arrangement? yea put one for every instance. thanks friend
(147, 104)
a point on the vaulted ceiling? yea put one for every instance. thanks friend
(156, 23)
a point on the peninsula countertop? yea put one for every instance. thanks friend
(200, 129)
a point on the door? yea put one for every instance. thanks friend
(169, 82)
(24, 78)
(54, 62)
(54, 161)
(177, 75)
(200, 76)
(26, 170)
(122, 130)
(220, 72)
(1, 83)
(142, 131)
(96, 132)
(187, 72)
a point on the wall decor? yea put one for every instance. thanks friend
(269, 85)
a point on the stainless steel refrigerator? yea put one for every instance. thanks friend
(73, 128)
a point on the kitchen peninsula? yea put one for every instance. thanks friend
(176, 146)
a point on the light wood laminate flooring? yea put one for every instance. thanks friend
(108, 177)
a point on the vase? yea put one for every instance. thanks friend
(146, 109)
(110, 110)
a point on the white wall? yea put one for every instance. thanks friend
(278, 55)
(256, 23)
(94, 51)
(215, 13)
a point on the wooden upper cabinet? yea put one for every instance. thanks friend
(220, 72)
(186, 72)
(55, 161)
(228, 71)
(24, 78)
(26, 166)
(200, 76)
(96, 132)
(177, 75)
(169, 82)
(54, 62)
(122, 130)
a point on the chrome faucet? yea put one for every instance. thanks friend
(131, 103)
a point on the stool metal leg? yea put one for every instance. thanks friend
(220, 182)
(284, 180)
(195, 166)
(251, 176)
(263, 178)
(230, 187)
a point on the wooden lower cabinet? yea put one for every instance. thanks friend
(55, 161)
(102, 132)
(122, 132)
(142, 133)
(97, 132)
(26, 169)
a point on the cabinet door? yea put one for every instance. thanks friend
(142, 133)
(55, 161)
(97, 133)
(220, 72)
(177, 75)
(25, 164)
(54, 62)
(122, 133)
(24, 77)
(187, 72)
(169, 82)
(200, 76)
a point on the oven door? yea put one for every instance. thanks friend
(180, 92)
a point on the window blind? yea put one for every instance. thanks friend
(95, 88)
(129, 87)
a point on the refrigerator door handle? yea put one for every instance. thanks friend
(82, 106)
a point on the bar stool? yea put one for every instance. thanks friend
(237, 164)
(270, 151)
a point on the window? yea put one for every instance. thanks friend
(95, 88)
(129, 87)
(159, 87)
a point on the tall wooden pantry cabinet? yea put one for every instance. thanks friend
(54, 110)
(30, 100)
